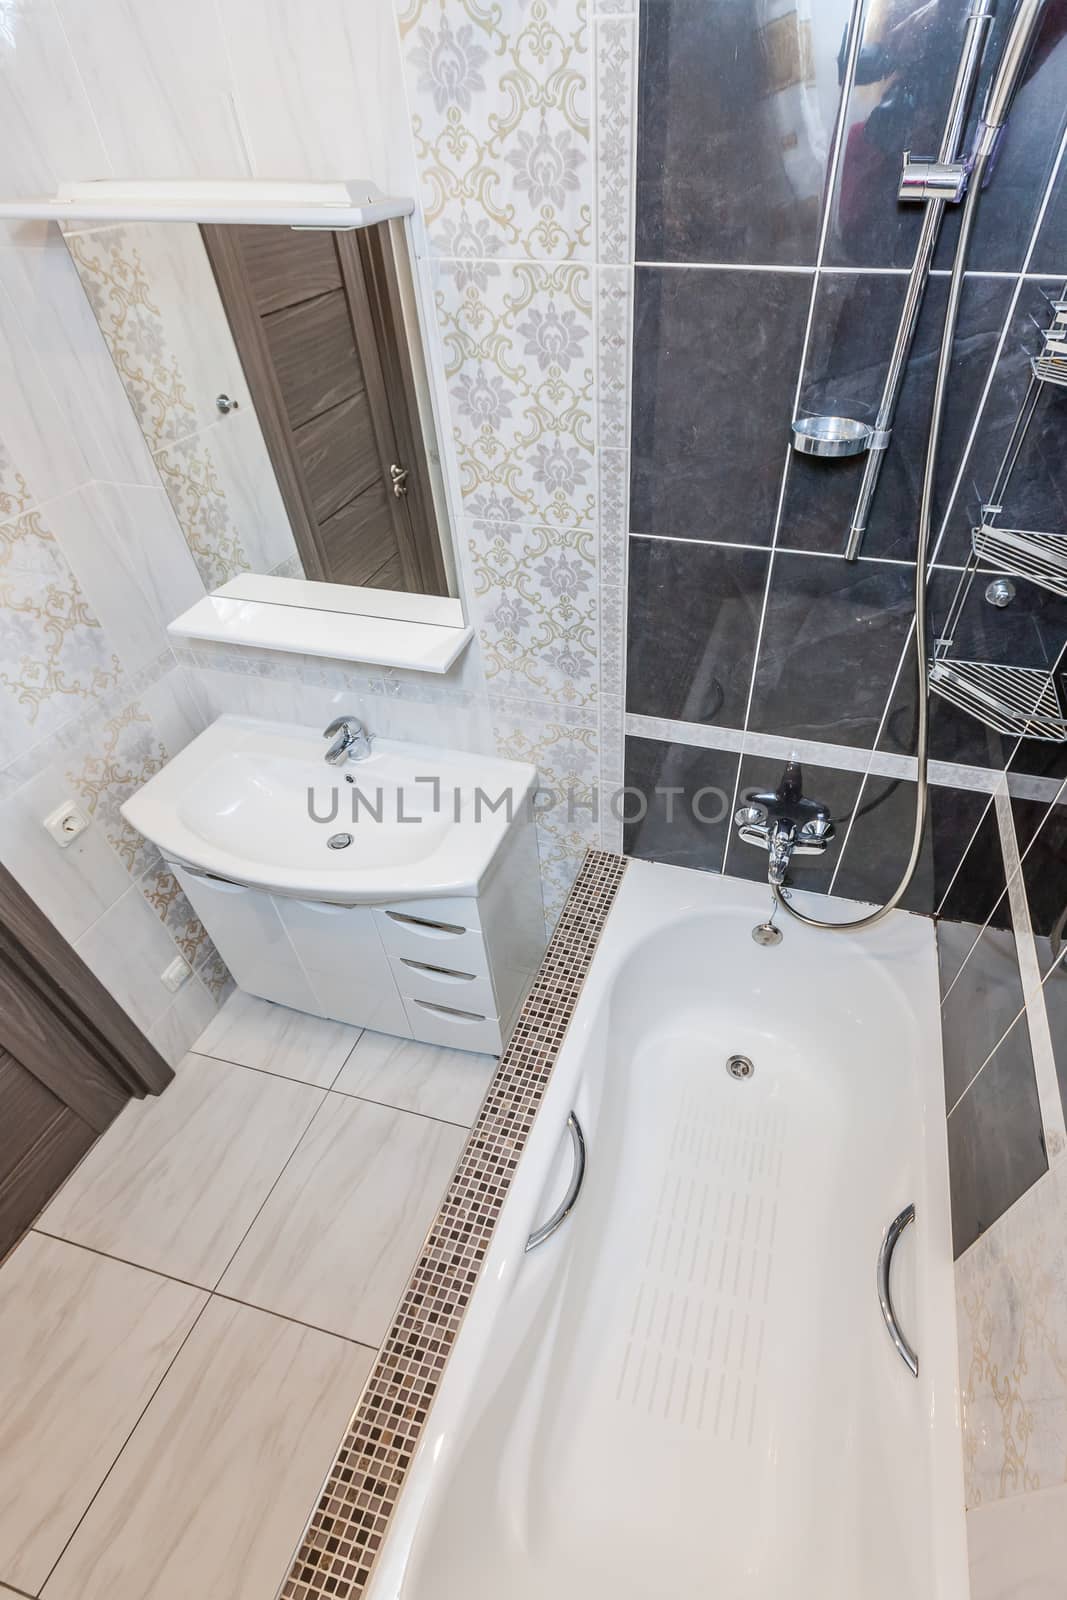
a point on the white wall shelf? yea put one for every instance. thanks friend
(424, 633)
(343, 203)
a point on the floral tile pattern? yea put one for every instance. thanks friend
(518, 347)
(534, 605)
(54, 656)
(119, 289)
(199, 500)
(613, 355)
(126, 754)
(164, 894)
(563, 746)
(1011, 1294)
(616, 47)
(120, 294)
(501, 104)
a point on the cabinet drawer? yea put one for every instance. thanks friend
(444, 986)
(438, 942)
(436, 1024)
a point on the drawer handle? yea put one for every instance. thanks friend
(438, 972)
(214, 878)
(451, 1012)
(424, 925)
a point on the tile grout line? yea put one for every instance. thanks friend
(140, 1418)
(1060, 795)
(970, 1084)
(1050, 1101)
(833, 169)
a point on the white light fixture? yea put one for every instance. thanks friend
(342, 203)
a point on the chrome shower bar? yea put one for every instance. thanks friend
(936, 184)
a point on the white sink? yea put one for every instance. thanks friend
(242, 801)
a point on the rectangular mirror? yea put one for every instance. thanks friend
(277, 376)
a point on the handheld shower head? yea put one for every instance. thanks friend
(1014, 55)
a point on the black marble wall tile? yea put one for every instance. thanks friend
(955, 941)
(878, 846)
(1050, 251)
(853, 329)
(979, 1008)
(995, 1143)
(1025, 633)
(978, 892)
(832, 637)
(834, 788)
(736, 113)
(694, 614)
(678, 803)
(904, 75)
(1044, 870)
(1036, 496)
(1044, 758)
(1055, 997)
(716, 356)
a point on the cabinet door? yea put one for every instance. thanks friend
(348, 969)
(250, 938)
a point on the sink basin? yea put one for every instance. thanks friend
(256, 803)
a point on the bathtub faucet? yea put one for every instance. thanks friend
(783, 822)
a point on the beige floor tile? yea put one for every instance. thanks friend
(210, 1496)
(428, 1078)
(336, 1241)
(83, 1343)
(255, 1033)
(175, 1181)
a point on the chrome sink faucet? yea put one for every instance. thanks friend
(352, 743)
(783, 822)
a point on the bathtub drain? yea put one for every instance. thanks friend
(739, 1066)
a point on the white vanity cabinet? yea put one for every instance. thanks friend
(449, 970)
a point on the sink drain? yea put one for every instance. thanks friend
(339, 841)
(739, 1066)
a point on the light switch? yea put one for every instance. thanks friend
(176, 974)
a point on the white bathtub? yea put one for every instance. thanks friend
(689, 1390)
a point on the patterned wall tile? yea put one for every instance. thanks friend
(534, 606)
(15, 494)
(54, 656)
(563, 746)
(125, 753)
(518, 348)
(129, 307)
(501, 101)
(614, 325)
(1011, 1292)
(616, 81)
(164, 894)
(113, 275)
(192, 483)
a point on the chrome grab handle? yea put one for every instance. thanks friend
(574, 1188)
(885, 1299)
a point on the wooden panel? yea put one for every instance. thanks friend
(360, 540)
(313, 350)
(60, 1022)
(391, 576)
(339, 458)
(26, 1109)
(41, 1141)
(286, 266)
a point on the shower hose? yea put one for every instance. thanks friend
(926, 512)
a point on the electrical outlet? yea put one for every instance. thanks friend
(65, 823)
(176, 974)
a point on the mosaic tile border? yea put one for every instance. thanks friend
(352, 1517)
